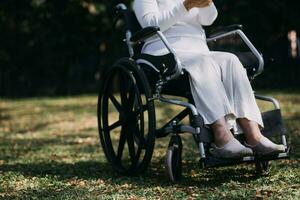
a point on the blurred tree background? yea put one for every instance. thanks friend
(60, 47)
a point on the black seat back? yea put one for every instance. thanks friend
(234, 44)
(129, 23)
(130, 20)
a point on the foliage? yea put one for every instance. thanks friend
(266, 23)
(49, 149)
(53, 47)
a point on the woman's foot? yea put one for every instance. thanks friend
(225, 145)
(233, 149)
(256, 141)
(264, 146)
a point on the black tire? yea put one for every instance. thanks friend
(126, 91)
(262, 167)
(173, 160)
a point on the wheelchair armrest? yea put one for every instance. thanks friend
(144, 34)
(222, 30)
(236, 30)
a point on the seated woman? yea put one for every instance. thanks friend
(219, 83)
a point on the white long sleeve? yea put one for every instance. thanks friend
(174, 20)
(148, 14)
(207, 15)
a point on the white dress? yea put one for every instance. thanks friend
(219, 83)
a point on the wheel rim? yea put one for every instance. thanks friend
(128, 140)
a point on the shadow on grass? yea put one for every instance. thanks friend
(63, 171)
(3, 115)
(85, 108)
(295, 118)
(15, 148)
(92, 170)
(65, 192)
(39, 126)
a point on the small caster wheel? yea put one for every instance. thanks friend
(173, 159)
(262, 167)
(202, 163)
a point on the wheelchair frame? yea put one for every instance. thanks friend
(202, 135)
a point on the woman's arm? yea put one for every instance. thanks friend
(207, 15)
(148, 14)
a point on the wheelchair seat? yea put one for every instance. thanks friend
(164, 64)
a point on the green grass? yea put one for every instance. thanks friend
(49, 149)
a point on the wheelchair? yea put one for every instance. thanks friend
(132, 85)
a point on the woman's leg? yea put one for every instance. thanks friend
(251, 130)
(222, 134)
(237, 86)
(255, 139)
(207, 88)
(209, 95)
(226, 146)
(241, 98)
(212, 103)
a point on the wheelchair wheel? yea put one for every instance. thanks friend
(173, 160)
(126, 118)
(262, 167)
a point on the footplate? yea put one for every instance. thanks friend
(273, 124)
(218, 162)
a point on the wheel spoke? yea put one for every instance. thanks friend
(131, 98)
(115, 103)
(131, 148)
(123, 90)
(138, 153)
(115, 125)
(140, 110)
(121, 145)
(139, 126)
(144, 108)
(136, 132)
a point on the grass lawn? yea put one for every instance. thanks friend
(49, 149)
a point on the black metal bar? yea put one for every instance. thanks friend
(161, 132)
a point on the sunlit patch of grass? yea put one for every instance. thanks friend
(49, 148)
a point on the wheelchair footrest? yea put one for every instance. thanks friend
(273, 124)
(218, 162)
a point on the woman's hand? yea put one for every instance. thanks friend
(189, 4)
